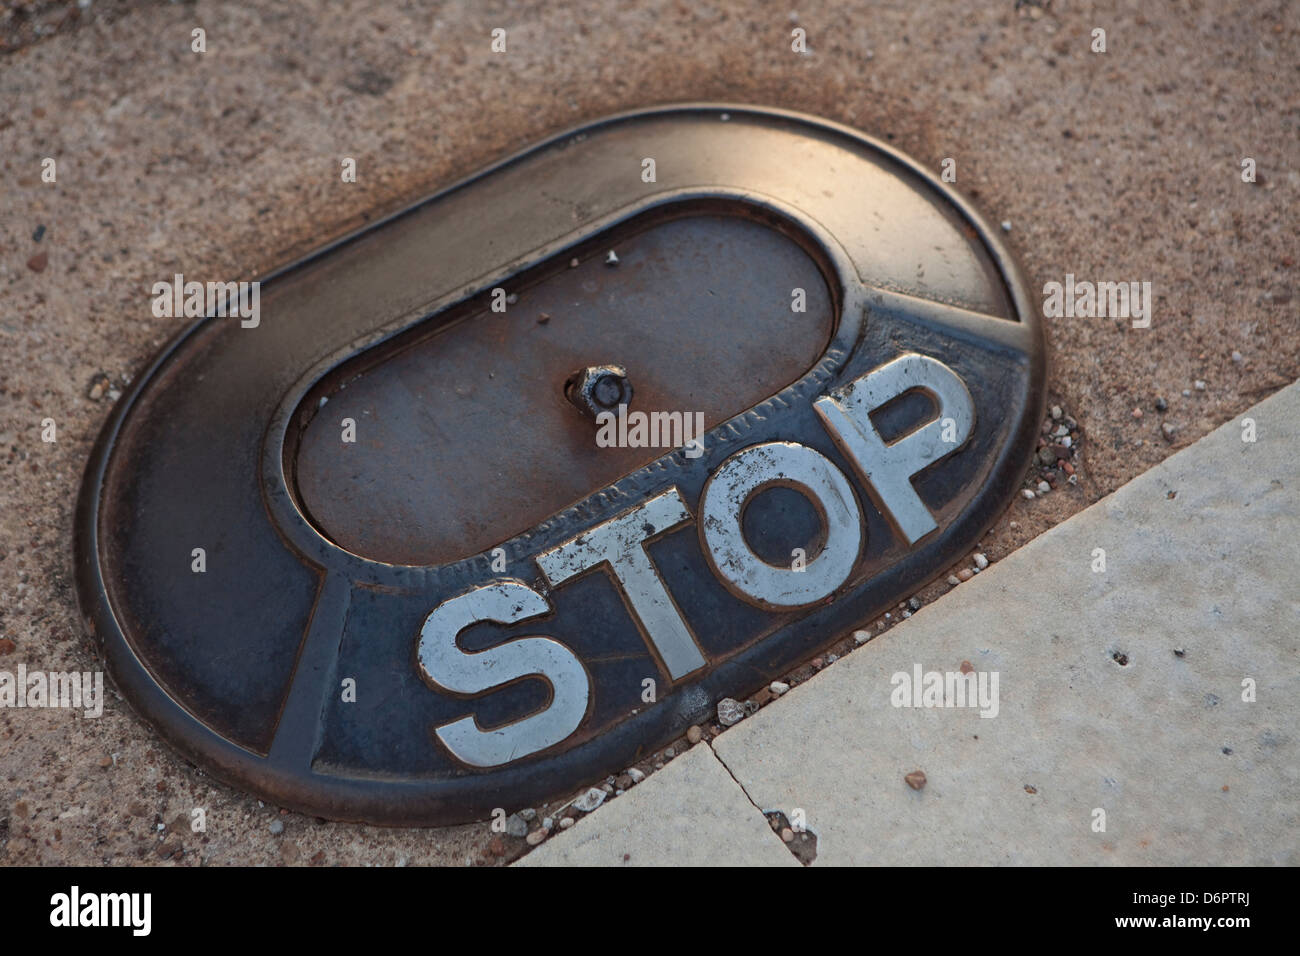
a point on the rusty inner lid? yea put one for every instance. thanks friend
(464, 434)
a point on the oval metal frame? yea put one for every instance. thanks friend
(286, 775)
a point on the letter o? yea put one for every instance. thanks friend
(740, 478)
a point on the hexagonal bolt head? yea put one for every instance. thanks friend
(598, 388)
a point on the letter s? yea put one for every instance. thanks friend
(445, 665)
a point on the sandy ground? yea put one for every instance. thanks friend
(1117, 166)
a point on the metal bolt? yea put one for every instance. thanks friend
(598, 388)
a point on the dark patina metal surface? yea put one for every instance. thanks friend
(326, 559)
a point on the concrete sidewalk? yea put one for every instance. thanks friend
(1123, 701)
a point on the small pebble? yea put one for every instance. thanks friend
(965, 574)
(611, 258)
(573, 263)
(636, 775)
(536, 837)
(588, 801)
(915, 779)
(530, 814)
(1167, 429)
(1237, 357)
(981, 561)
(1027, 493)
(1187, 393)
(780, 687)
(952, 579)
(38, 262)
(548, 823)
(1006, 225)
(1044, 487)
(566, 823)
(1198, 385)
(1161, 404)
(730, 711)
(694, 734)
(1137, 413)
(1056, 413)
(861, 637)
(516, 826)
(39, 234)
(787, 835)
(914, 604)
(277, 827)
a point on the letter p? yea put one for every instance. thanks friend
(888, 468)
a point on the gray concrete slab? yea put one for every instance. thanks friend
(1119, 690)
(691, 813)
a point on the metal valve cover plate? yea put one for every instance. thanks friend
(431, 588)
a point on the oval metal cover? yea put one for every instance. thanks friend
(463, 606)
